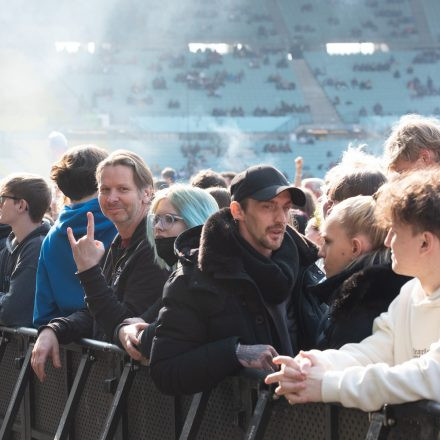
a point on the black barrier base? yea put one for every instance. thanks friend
(99, 393)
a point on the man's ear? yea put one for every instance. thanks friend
(22, 205)
(427, 242)
(236, 210)
(147, 195)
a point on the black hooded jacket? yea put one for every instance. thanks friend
(356, 296)
(211, 303)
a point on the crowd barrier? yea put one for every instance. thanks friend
(99, 393)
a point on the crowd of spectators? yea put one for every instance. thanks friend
(374, 67)
(280, 83)
(283, 109)
(233, 112)
(255, 249)
(200, 80)
(420, 89)
(418, 86)
(277, 148)
(427, 57)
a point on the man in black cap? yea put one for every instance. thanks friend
(233, 301)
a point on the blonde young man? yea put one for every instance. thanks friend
(413, 144)
(400, 362)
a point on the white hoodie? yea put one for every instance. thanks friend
(399, 362)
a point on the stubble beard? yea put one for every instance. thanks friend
(272, 245)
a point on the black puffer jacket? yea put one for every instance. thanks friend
(356, 296)
(129, 284)
(211, 303)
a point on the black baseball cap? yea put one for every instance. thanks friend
(263, 182)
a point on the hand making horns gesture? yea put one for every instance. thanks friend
(87, 252)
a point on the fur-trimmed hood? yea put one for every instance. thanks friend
(213, 247)
(367, 287)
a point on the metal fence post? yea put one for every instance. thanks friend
(3, 343)
(260, 416)
(119, 399)
(74, 396)
(380, 423)
(17, 396)
(332, 427)
(195, 415)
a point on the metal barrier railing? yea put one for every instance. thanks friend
(100, 393)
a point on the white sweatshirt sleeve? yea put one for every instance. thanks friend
(370, 387)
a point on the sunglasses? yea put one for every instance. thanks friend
(164, 221)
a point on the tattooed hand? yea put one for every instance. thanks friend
(256, 356)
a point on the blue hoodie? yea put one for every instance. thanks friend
(58, 291)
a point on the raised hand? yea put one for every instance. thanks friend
(87, 252)
(256, 356)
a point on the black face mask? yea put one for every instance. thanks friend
(165, 250)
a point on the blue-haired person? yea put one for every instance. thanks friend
(173, 210)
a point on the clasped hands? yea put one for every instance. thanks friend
(299, 379)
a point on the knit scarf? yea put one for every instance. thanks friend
(274, 276)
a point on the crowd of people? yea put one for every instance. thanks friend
(329, 286)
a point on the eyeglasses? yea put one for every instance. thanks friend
(164, 221)
(4, 197)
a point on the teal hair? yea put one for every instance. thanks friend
(194, 204)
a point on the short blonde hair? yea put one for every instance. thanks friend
(409, 136)
(357, 216)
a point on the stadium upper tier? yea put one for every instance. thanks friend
(247, 83)
(318, 21)
(261, 23)
(154, 84)
(382, 84)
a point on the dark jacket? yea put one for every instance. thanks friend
(129, 283)
(5, 230)
(18, 270)
(211, 303)
(356, 296)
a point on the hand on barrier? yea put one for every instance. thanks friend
(256, 356)
(87, 252)
(130, 336)
(46, 346)
(299, 380)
